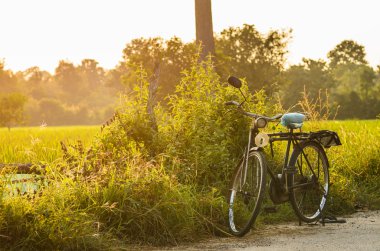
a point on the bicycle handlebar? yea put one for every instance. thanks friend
(252, 115)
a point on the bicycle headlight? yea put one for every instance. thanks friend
(260, 123)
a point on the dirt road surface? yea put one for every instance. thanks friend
(360, 232)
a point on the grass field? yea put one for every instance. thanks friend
(40, 144)
(28, 144)
(37, 145)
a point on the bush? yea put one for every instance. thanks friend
(148, 177)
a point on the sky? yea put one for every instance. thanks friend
(42, 32)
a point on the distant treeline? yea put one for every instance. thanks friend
(87, 93)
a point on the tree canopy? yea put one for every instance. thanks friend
(244, 51)
(347, 52)
(12, 109)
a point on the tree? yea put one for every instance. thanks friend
(204, 30)
(311, 75)
(8, 81)
(356, 88)
(36, 82)
(245, 52)
(162, 60)
(367, 81)
(52, 112)
(12, 109)
(92, 75)
(347, 52)
(114, 77)
(67, 76)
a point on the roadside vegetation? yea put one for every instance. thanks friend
(159, 174)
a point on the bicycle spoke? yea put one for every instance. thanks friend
(303, 196)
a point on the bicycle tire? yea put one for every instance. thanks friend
(308, 190)
(247, 195)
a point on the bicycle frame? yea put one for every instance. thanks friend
(292, 138)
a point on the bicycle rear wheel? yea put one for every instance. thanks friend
(309, 186)
(247, 192)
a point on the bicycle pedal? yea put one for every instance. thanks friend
(270, 209)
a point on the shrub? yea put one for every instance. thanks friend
(146, 178)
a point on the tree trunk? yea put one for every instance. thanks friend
(204, 30)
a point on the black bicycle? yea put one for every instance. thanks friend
(304, 179)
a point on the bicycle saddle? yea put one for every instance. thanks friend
(292, 120)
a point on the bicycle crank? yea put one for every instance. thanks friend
(276, 192)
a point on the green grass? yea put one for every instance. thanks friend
(40, 144)
(355, 166)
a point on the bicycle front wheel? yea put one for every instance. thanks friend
(309, 186)
(247, 192)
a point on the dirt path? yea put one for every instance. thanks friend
(361, 232)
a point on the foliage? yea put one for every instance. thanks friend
(205, 136)
(244, 51)
(139, 184)
(353, 85)
(12, 109)
(347, 52)
(199, 134)
(78, 91)
(198, 139)
(311, 75)
(161, 59)
(87, 93)
(67, 77)
(8, 81)
(113, 206)
(356, 91)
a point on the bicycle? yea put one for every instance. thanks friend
(304, 179)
